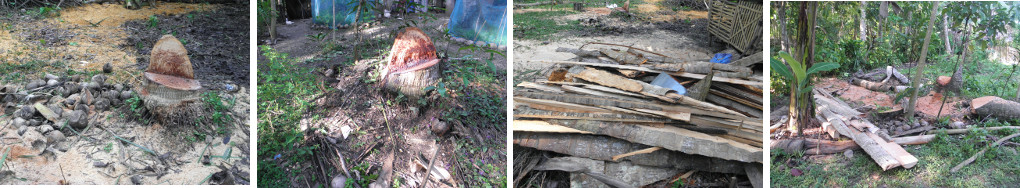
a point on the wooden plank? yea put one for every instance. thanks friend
(905, 159)
(526, 112)
(671, 115)
(686, 75)
(605, 78)
(754, 173)
(545, 88)
(671, 138)
(643, 151)
(579, 107)
(542, 126)
(592, 92)
(601, 101)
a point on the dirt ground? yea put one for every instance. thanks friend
(79, 41)
(474, 152)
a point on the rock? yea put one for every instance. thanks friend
(55, 136)
(125, 95)
(60, 91)
(52, 82)
(71, 100)
(958, 125)
(51, 76)
(92, 86)
(924, 123)
(35, 84)
(230, 87)
(502, 47)
(111, 94)
(849, 154)
(25, 111)
(21, 130)
(137, 179)
(19, 122)
(45, 128)
(76, 78)
(493, 45)
(46, 112)
(99, 79)
(102, 104)
(118, 87)
(339, 181)
(439, 127)
(33, 137)
(56, 109)
(107, 68)
(87, 97)
(76, 119)
(34, 122)
(72, 88)
(83, 108)
(480, 43)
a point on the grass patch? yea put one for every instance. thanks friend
(284, 91)
(540, 25)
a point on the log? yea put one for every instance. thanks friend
(824, 147)
(624, 57)
(899, 76)
(604, 148)
(638, 68)
(874, 86)
(747, 61)
(875, 148)
(671, 138)
(995, 107)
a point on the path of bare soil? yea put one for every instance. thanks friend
(474, 151)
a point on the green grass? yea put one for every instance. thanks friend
(996, 167)
(285, 92)
(540, 25)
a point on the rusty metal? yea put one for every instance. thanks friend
(170, 66)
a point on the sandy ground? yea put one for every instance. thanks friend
(927, 104)
(88, 47)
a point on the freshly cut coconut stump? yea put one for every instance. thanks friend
(411, 65)
(170, 91)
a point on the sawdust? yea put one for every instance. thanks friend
(928, 105)
(657, 13)
(92, 45)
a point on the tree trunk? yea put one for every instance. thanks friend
(802, 107)
(996, 107)
(920, 65)
(863, 25)
(781, 15)
(945, 32)
(272, 21)
(956, 82)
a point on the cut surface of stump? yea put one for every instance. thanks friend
(411, 64)
(170, 91)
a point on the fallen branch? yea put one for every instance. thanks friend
(982, 152)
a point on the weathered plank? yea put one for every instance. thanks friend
(672, 138)
(684, 74)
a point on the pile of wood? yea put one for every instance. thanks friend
(838, 117)
(621, 130)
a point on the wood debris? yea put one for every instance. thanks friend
(847, 122)
(599, 108)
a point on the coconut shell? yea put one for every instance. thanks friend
(169, 65)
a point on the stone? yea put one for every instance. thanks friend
(480, 43)
(46, 112)
(107, 68)
(56, 109)
(102, 104)
(99, 79)
(34, 122)
(76, 78)
(25, 111)
(958, 125)
(71, 100)
(125, 95)
(19, 122)
(72, 88)
(77, 119)
(21, 130)
(111, 94)
(51, 76)
(339, 181)
(849, 154)
(83, 108)
(439, 127)
(55, 136)
(92, 85)
(924, 123)
(118, 87)
(33, 137)
(45, 128)
(61, 92)
(36, 84)
(88, 97)
(52, 82)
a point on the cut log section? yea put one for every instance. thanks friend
(874, 86)
(886, 154)
(996, 107)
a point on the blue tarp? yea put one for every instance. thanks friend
(479, 20)
(337, 12)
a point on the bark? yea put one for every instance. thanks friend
(945, 33)
(272, 21)
(781, 16)
(863, 21)
(874, 86)
(801, 106)
(996, 107)
(920, 65)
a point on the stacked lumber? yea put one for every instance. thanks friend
(601, 111)
(838, 117)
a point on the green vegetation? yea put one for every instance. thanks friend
(541, 25)
(997, 167)
(285, 92)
